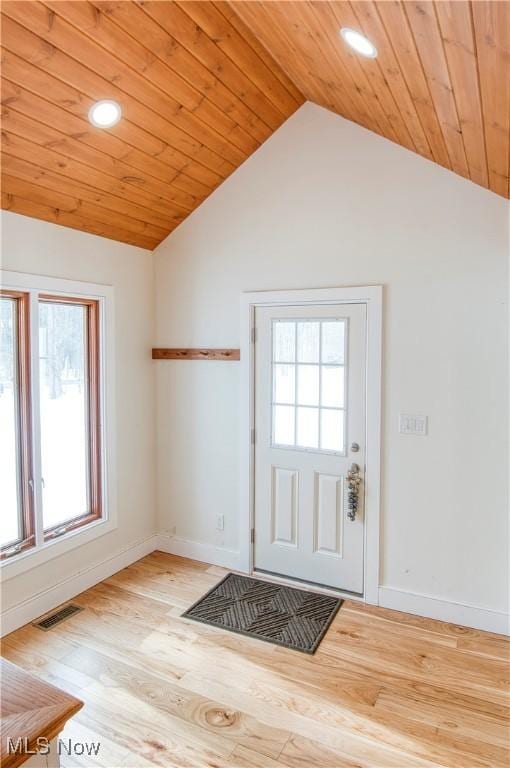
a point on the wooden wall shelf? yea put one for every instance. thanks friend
(196, 354)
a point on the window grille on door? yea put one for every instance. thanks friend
(308, 384)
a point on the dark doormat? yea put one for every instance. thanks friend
(277, 614)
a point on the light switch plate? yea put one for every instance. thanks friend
(412, 424)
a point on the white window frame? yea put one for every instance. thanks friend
(34, 285)
(372, 297)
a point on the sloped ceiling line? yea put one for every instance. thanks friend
(203, 84)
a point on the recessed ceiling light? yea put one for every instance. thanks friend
(359, 42)
(105, 113)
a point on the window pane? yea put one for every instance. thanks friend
(332, 386)
(308, 427)
(284, 383)
(283, 424)
(308, 342)
(332, 430)
(64, 411)
(308, 384)
(11, 529)
(284, 341)
(333, 341)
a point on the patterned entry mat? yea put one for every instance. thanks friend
(275, 613)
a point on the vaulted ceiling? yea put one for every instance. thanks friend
(203, 84)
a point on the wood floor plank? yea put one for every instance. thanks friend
(384, 688)
(432, 627)
(419, 661)
(495, 646)
(300, 751)
(335, 728)
(242, 757)
(461, 725)
(143, 732)
(109, 752)
(212, 716)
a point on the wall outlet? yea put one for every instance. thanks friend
(220, 522)
(412, 424)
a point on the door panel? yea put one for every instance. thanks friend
(309, 409)
(284, 506)
(328, 514)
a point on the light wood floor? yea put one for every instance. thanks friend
(385, 689)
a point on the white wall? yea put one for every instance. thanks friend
(33, 246)
(323, 203)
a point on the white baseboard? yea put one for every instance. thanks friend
(399, 600)
(444, 610)
(45, 601)
(196, 550)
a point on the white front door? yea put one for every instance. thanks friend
(310, 392)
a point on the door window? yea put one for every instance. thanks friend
(308, 385)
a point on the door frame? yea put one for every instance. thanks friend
(371, 296)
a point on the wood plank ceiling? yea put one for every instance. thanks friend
(192, 112)
(440, 85)
(203, 84)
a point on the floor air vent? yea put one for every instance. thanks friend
(52, 619)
